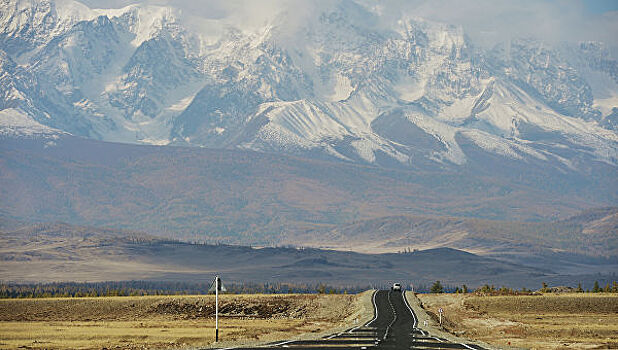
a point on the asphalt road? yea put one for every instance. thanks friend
(394, 326)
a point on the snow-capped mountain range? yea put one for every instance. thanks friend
(343, 84)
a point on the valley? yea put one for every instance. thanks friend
(316, 148)
(351, 132)
(240, 199)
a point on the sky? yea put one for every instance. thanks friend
(487, 22)
(600, 6)
(492, 21)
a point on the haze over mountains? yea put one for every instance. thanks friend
(341, 126)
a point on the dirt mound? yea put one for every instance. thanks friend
(182, 309)
(256, 306)
(275, 308)
(558, 289)
(566, 303)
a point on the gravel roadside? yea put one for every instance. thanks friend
(428, 324)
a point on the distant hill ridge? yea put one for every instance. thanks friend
(60, 252)
(593, 230)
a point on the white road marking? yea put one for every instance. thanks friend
(278, 344)
(375, 317)
(375, 311)
(394, 313)
(405, 300)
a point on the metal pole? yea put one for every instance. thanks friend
(216, 309)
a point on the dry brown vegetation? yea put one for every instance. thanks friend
(167, 322)
(549, 321)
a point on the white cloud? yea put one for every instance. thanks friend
(486, 21)
(492, 21)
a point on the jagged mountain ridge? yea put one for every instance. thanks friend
(343, 84)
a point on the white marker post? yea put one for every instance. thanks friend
(217, 309)
(216, 287)
(440, 311)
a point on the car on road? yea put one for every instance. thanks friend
(396, 287)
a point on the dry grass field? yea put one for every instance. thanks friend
(549, 321)
(168, 321)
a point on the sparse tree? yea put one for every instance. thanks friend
(579, 288)
(544, 289)
(487, 289)
(596, 288)
(464, 288)
(437, 287)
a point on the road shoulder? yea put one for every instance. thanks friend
(426, 323)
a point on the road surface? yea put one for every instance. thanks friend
(394, 326)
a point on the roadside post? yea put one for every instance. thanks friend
(217, 287)
(440, 311)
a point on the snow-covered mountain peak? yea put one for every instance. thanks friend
(147, 21)
(344, 80)
(14, 122)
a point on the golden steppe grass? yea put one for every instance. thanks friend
(167, 321)
(549, 321)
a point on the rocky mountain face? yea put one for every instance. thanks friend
(343, 84)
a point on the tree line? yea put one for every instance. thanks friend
(487, 289)
(140, 288)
